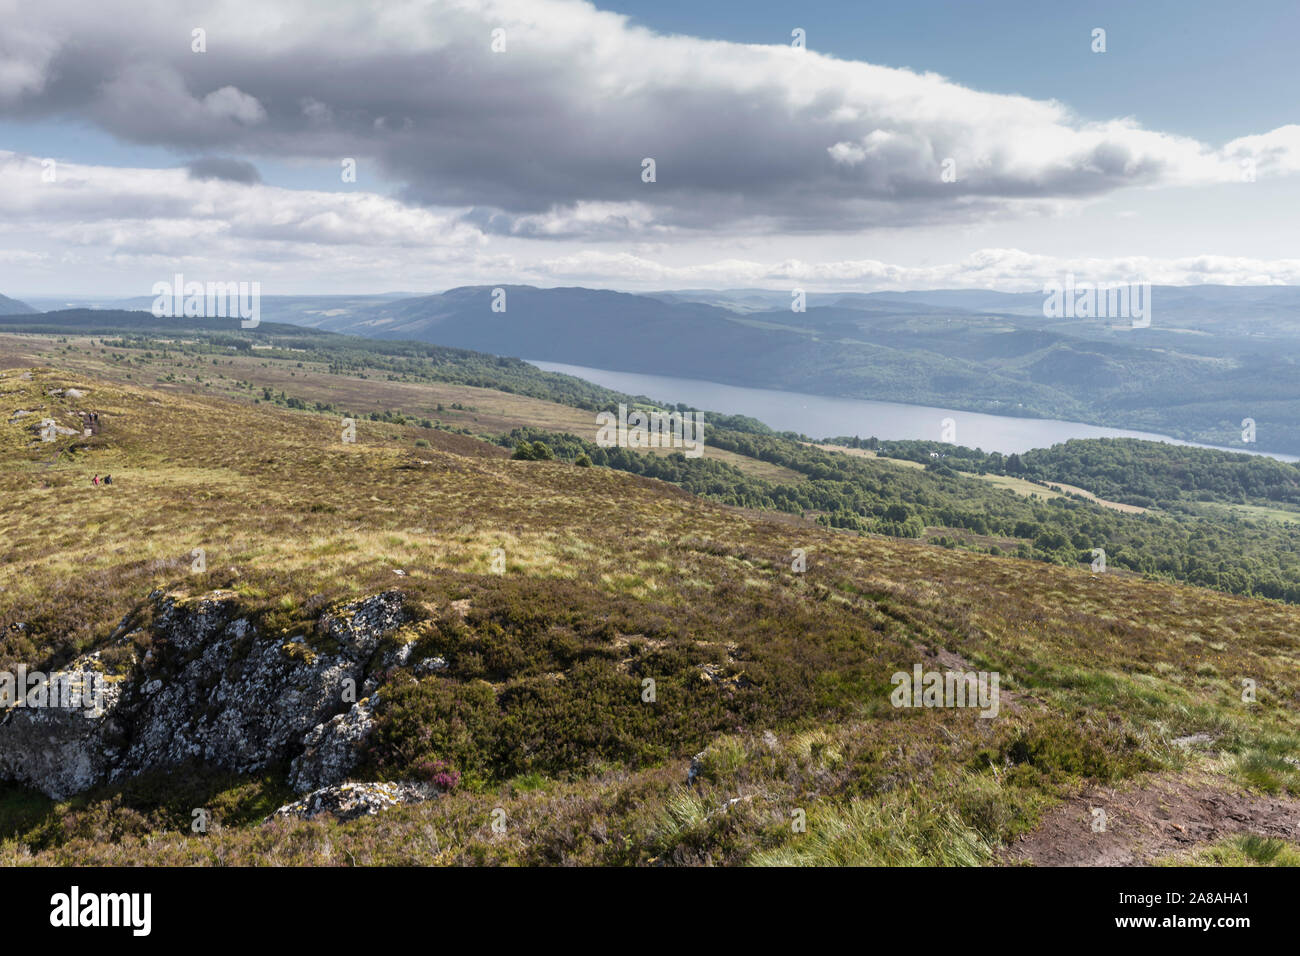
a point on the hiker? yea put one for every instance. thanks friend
(95, 480)
(108, 479)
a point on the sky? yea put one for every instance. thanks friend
(645, 145)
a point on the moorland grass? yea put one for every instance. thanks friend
(780, 678)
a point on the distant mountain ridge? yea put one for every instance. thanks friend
(1212, 358)
(10, 306)
(98, 320)
(300, 309)
(1195, 299)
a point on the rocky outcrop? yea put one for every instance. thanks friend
(351, 800)
(333, 748)
(214, 690)
(66, 749)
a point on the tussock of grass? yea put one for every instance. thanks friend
(901, 830)
(1247, 850)
(722, 758)
(1269, 772)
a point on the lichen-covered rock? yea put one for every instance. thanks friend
(430, 665)
(351, 800)
(63, 750)
(47, 426)
(333, 748)
(696, 767)
(216, 691)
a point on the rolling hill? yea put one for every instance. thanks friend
(629, 673)
(1209, 360)
(1217, 519)
(1212, 358)
(10, 306)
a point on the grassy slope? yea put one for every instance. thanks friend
(781, 678)
(484, 410)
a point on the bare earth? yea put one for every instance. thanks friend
(1169, 815)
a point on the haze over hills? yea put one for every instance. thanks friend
(1211, 357)
(1221, 307)
(303, 309)
(1197, 302)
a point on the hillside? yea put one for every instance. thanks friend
(528, 434)
(10, 306)
(1211, 356)
(523, 690)
(955, 497)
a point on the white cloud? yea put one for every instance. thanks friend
(1007, 270)
(231, 103)
(748, 138)
(149, 219)
(526, 165)
(144, 217)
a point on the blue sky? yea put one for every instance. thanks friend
(1212, 70)
(524, 164)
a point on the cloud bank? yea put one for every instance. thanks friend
(545, 135)
(150, 220)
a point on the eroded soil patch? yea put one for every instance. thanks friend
(1163, 816)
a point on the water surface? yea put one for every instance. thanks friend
(824, 417)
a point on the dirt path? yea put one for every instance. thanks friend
(1164, 816)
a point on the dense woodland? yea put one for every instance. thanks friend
(1135, 472)
(1220, 550)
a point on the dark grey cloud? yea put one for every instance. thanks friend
(230, 170)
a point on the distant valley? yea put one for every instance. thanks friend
(1212, 357)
